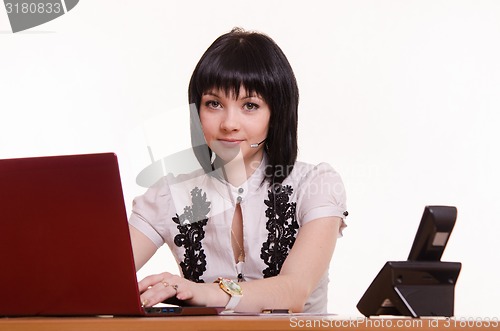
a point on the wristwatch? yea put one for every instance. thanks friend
(233, 289)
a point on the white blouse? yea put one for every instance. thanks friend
(193, 214)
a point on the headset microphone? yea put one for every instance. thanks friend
(257, 145)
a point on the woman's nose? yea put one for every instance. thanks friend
(230, 121)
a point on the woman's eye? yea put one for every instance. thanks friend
(251, 106)
(213, 104)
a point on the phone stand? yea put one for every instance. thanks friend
(412, 289)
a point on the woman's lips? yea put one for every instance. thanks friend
(229, 142)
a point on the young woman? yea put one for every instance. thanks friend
(253, 229)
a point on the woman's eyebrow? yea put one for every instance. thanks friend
(211, 93)
(250, 96)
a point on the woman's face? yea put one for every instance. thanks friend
(232, 123)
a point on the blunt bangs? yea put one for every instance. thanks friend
(223, 77)
(233, 62)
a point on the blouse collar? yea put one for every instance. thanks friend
(238, 194)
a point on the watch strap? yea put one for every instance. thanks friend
(233, 302)
(232, 289)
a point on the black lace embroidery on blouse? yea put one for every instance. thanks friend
(191, 227)
(282, 227)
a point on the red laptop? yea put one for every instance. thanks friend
(64, 240)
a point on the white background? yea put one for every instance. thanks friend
(401, 97)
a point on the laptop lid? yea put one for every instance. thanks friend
(64, 241)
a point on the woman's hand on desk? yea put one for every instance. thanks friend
(307, 261)
(155, 289)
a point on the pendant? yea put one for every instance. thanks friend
(241, 257)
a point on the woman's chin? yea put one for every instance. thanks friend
(227, 155)
(226, 152)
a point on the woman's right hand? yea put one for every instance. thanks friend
(160, 287)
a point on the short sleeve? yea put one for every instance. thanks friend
(321, 193)
(150, 210)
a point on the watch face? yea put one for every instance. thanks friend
(231, 286)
